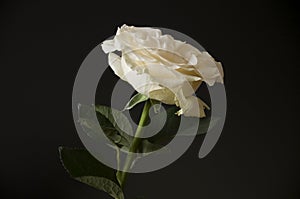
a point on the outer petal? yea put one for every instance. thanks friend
(164, 95)
(141, 82)
(108, 46)
(115, 63)
(193, 107)
(209, 69)
(149, 45)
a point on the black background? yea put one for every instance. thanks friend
(42, 45)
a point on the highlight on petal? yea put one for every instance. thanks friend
(108, 46)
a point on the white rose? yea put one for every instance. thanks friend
(160, 67)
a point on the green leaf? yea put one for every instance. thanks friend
(138, 98)
(90, 126)
(79, 162)
(114, 124)
(112, 119)
(83, 167)
(103, 184)
(116, 118)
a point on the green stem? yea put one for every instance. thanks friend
(135, 143)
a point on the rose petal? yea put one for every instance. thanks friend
(108, 46)
(208, 69)
(162, 68)
(194, 107)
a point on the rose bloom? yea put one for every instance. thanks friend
(162, 68)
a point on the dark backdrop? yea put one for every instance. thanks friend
(42, 45)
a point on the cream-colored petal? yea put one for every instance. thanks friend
(219, 65)
(194, 107)
(108, 46)
(176, 87)
(208, 69)
(114, 62)
(141, 82)
(165, 76)
(164, 95)
(163, 68)
(120, 68)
